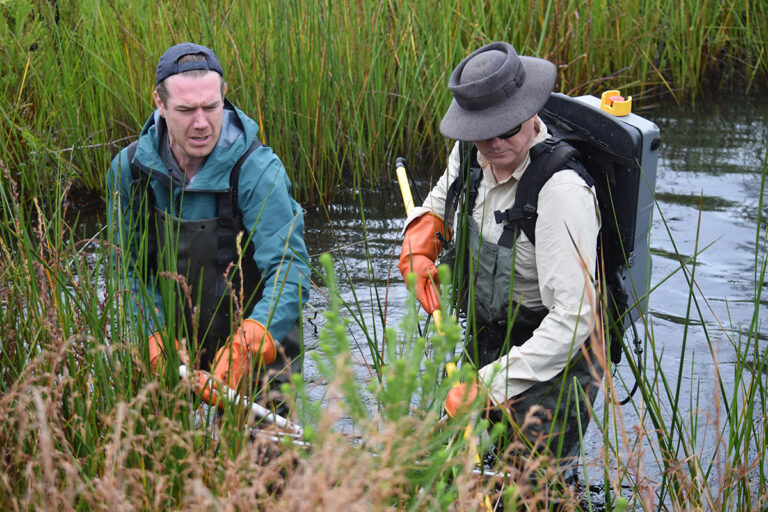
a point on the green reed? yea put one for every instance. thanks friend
(708, 453)
(84, 421)
(337, 87)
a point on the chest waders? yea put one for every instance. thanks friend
(501, 323)
(223, 279)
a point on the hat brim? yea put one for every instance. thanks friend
(475, 125)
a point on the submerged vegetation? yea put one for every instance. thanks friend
(337, 87)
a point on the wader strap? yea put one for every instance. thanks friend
(143, 205)
(461, 197)
(547, 158)
(470, 173)
(230, 217)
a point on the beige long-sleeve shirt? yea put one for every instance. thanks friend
(555, 273)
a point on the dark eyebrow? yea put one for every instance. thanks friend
(184, 106)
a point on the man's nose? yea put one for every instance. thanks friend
(200, 120)
(496, 142)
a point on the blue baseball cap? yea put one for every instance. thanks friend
(168, 65)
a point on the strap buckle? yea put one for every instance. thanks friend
(529, 211)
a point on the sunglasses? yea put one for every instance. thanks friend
(511, 133)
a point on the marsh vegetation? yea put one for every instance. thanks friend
(339, 89)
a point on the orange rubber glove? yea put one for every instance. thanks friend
(233, 360)
(460, 397)
(208, 386)
(421, 248)
(157, 352)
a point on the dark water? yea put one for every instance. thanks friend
(708, 188)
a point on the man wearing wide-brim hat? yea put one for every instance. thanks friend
(529, 349)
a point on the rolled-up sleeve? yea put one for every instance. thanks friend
(434, 203)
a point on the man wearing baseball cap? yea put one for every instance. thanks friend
(217, 261)
(530, 304)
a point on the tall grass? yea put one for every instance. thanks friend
(85, 423)
(337, 87)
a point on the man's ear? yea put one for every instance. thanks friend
(158, 103)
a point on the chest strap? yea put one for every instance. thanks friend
(547, 158)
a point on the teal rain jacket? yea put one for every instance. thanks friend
(273, 218)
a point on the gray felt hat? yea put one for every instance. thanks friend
(494, 89)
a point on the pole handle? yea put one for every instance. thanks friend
(405, 188)
(405, 191)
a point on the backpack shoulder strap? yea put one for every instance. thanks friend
(547, 158)
(234, 175)
(141, 176)
(141, 191)
(130, 152)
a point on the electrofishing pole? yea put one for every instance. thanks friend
(405, 190)
(233, 396)
(469, 436)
